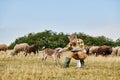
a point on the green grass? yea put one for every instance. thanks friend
(30, 68)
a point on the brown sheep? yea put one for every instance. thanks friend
(20, 47)
(104, 50)
(34, 49)
(3, 47)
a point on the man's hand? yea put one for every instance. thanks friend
(61, 50)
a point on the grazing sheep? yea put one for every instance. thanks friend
(116, 51)
(33, 48)
(20, 47)
(87, 48)
(104, 50)
(3, 47)
(93, 50)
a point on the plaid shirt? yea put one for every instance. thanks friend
(79, 45)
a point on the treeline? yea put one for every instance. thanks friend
(50, 39)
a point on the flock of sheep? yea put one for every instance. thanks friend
(55, 54)
(90, 50)
(26, 49)
(103, 50)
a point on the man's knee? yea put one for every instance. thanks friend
(71, 55)
(82, 55)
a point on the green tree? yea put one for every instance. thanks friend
(50, 39)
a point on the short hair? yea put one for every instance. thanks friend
(73, 36)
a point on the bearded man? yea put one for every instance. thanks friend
(77, 51)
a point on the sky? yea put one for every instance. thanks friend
(92, 17)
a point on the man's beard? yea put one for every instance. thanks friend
(73, 43)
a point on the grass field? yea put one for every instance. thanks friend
(30, 68)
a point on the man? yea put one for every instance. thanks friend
(76, 46)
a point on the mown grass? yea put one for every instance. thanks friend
(30, 68)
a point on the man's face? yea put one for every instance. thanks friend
(73, 41)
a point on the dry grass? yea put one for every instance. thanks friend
(30, 68)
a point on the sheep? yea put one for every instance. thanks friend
(116, 51)
(20, 47)
(3, 47)
(33, 48)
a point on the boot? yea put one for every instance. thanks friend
(67, 61)
(82, 63)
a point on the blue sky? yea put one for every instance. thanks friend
(92, 17)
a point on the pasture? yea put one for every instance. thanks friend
(30, 68)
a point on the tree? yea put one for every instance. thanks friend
(50, 39)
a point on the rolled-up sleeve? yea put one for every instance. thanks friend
(68, 47)
(81, 43)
